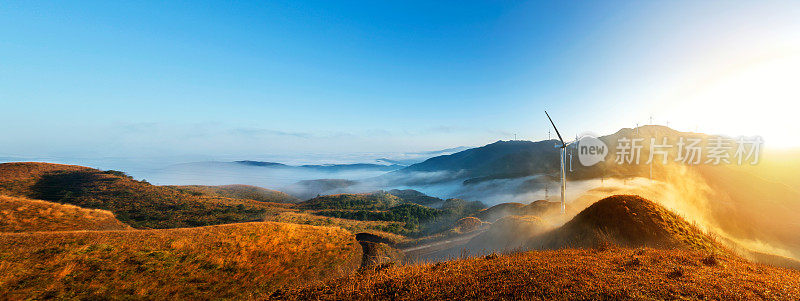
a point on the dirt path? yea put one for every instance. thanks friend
(430, 250)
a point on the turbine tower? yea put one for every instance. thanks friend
(570, 160)
(563, 154)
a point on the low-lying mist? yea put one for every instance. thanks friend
(741, 209)
(223, 173)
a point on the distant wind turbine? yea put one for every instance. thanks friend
(563, 152)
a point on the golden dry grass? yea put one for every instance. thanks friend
(240, 261)
(354, 226)
(568, 274)
(26, 215)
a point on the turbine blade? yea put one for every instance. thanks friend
(554, 127)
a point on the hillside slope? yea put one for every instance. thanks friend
(355, 201)
(136, 203)
(569, 274)
(246, 192)
(240, 261)
(413, 196)
(26, 215)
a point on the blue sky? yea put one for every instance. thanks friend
(254, 79)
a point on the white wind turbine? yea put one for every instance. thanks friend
(563, 154)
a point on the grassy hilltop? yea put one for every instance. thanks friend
(26, 215)
(627, 220)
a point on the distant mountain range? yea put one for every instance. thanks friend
(324, 167)
(516, 159)
(502, 159)
(416, 157)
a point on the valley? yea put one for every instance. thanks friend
(76, 232)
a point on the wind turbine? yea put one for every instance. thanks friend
(563, 153)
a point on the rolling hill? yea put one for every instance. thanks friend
(136, 203)
(626, 220)
(413, 196)
(246, 192)
(415, 219)
(26, 215)
(239, 261)
(363, 201)
(537, 208)
(376, 206)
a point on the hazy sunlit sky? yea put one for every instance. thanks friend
(253, 79)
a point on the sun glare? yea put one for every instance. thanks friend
(756, 97)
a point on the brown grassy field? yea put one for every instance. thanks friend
(240, 261)
(569, 274)
(239, 192)
(26, 215)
